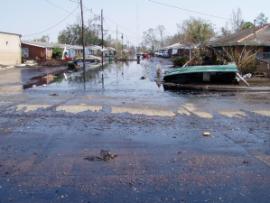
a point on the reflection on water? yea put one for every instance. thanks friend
(121, 77)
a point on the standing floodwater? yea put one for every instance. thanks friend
(140, 83)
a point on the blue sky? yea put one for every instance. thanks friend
(31, 17)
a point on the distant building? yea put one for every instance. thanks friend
(176, 49)
(10, 48)
(70, 52)
(94, 50)
(179, 49)
(38, 51)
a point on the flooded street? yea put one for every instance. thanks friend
(129, 140)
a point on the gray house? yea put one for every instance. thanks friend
(256, 39)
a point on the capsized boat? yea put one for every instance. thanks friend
(91, 62)
(214, 74)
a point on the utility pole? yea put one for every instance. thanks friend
(83, 43)
(102, 46)
(102, 39)
(122, 37)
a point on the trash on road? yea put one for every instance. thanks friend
(206, 134)
(103, 156)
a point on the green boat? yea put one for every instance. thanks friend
(216, 74)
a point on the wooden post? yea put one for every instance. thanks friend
(122, 55)
(268, 69)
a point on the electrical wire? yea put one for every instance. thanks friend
(56, 6)
(77, 2)
(187, 10)
(109, 19)
(53, 26)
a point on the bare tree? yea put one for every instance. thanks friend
(44, 38)
(161, 31)
(237, 20)
(225, 31)
(150, 39)
(261, 20)
(196, 31)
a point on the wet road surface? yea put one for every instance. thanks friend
(47, 135)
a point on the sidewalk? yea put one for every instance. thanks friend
(13, 79)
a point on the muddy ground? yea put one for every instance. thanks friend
(164, 146)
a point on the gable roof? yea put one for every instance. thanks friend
(38, 44)
(259, 36)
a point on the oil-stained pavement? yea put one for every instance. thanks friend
(47, 133)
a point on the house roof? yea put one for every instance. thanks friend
(9, 33)
(178, 46)
(259, 36)
(39, 44)
(94, 47)
(62, 46)
(111, 49)
(68, 46)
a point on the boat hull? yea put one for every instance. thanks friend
(218, 74)
(202, 78)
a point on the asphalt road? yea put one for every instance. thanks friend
(51, 138)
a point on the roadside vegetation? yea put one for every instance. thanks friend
(198, 33)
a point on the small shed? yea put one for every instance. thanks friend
(10, 48)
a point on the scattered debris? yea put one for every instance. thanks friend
(31, 63)
(104, 156)
(65, 76)
(206, 134)
(143, 78)
(245, 162)
(159, 71)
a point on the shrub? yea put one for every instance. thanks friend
(57, 53)
(180, 61)
(244, 57)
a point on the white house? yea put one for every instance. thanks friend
(10, 48)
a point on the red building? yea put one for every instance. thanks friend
(37, 51)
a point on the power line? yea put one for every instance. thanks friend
(77, 2)
(187, 10)
(124, 28)
(53, 26)
(56, 6)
